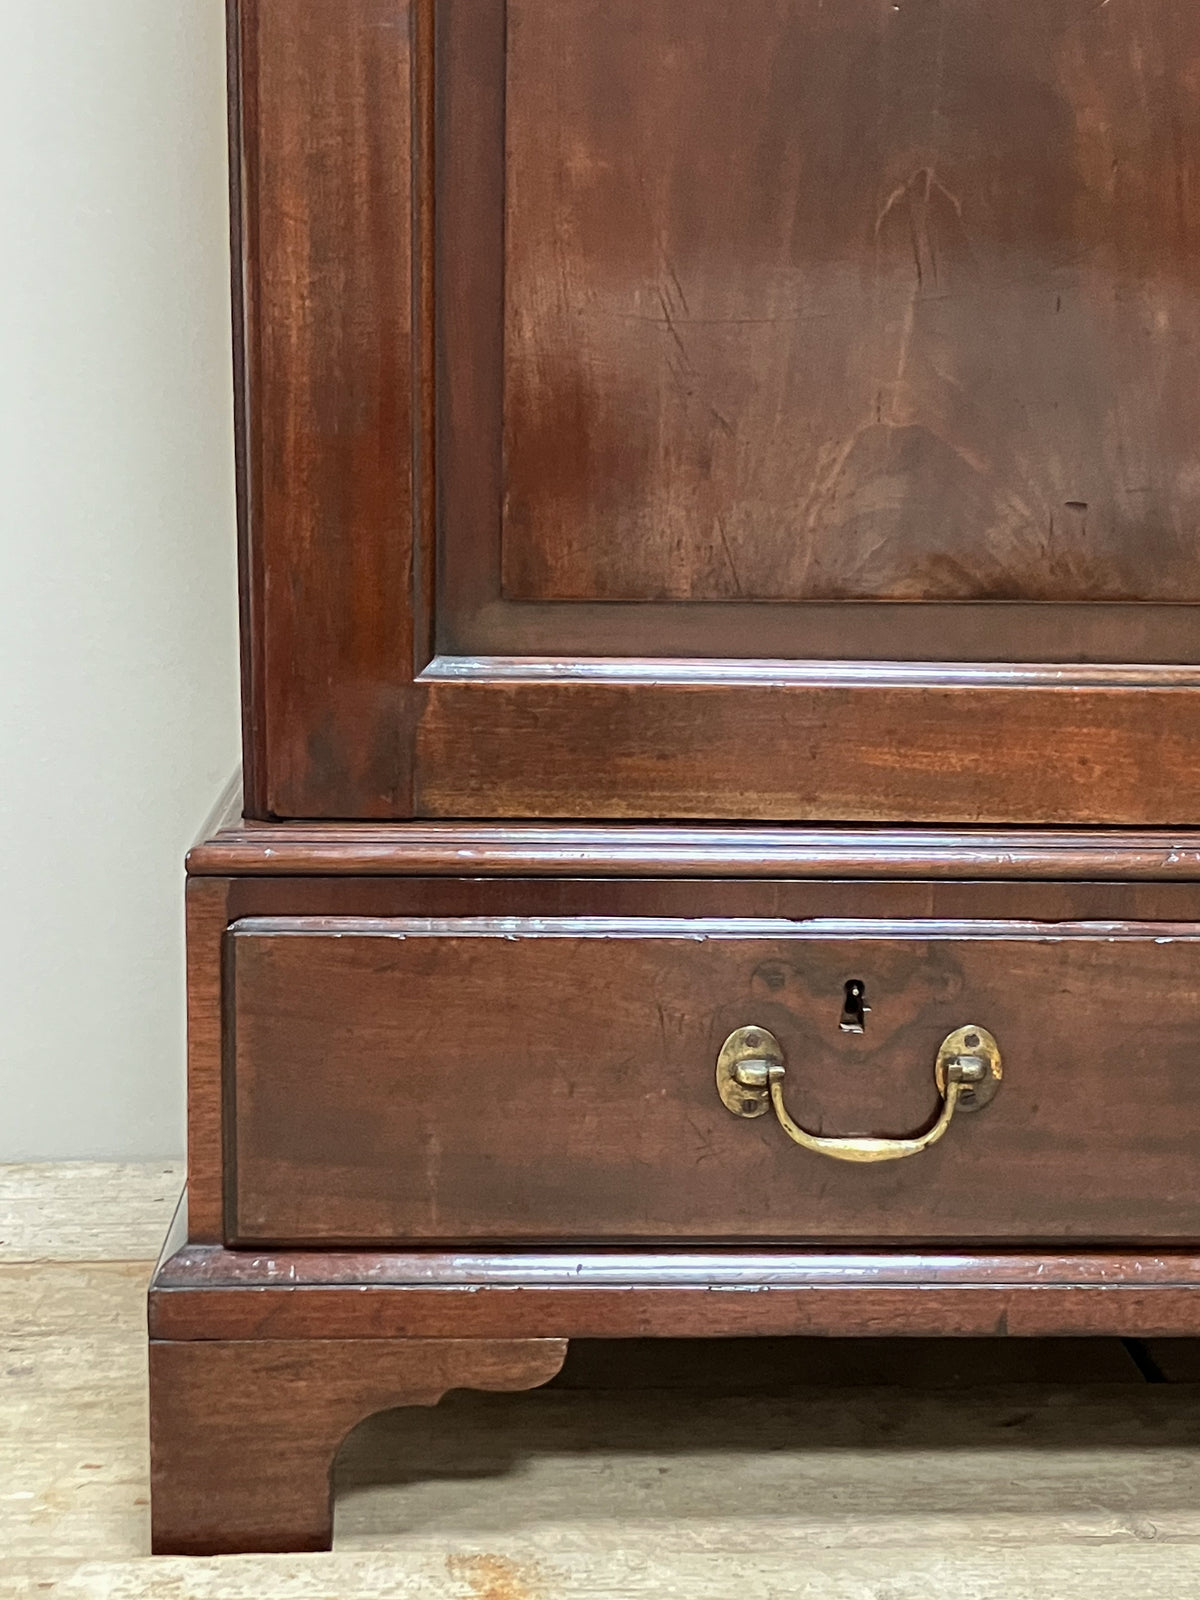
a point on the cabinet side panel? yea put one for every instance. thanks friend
(207, 903)
(324, 117)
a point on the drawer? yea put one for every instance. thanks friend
(521, 1080)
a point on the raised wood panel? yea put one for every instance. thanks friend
(501, 288)
(538, 1080)
(852, 301)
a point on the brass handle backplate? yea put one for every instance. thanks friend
(750, 1074)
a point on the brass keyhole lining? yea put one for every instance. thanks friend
(854, 1007)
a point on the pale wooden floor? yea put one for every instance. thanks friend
(635, 1480)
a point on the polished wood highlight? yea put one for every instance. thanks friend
(243, 1435)
(579, 850)
(553, 1080)
(204, 1292)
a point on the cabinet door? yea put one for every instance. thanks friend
(764, 409)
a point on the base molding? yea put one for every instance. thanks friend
(261, 1364)
(242, 847)
(204, 1292)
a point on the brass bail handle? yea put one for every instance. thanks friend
(750, 1074)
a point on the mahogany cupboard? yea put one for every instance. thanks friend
(720, 502)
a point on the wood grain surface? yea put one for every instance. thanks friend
(243, 1436)
(1109, 1561)
(323, 226)
(851, 302)
(857, 753)
(500, 1079)
(207, 915)
(794, 898)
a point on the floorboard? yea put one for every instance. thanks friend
(86, 1211)
(926, 1470)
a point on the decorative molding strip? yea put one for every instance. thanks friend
(480, 849)
(822, 674)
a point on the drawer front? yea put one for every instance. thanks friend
(525, 1080)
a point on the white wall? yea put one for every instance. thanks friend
(118, 711)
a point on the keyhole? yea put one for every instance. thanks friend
(855, 1007)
